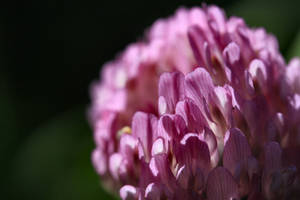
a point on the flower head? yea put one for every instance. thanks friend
(204, 108)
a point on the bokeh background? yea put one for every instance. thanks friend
(50, 52)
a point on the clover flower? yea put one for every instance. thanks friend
(203, 108)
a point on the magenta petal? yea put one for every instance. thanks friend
(272, 153)
(160, 168)
(223, 101)
(209, 137)
(192, 115)
(152, 192)
(171, 87)
(128, 192)
(166, 127)
(236, 150)
(221, 185)
(190, 180)
(272, 178)
(194, 153)
(171, 126)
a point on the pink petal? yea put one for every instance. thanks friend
(158, 147)
(172, 89)
(99, 161)
(199, 85)
(197, 40)
(221, 185)
(144, 127)
(115, 161)
(232, 53)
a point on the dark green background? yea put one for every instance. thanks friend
(50, 51)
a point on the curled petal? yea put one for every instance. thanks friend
(232, 53)
(128, 192)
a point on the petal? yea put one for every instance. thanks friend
(171, 87)
(209, 137)
(158, 147)
(197, 40)
(258, 72)
(144, 127)
(223, 101)
(236, 150)
(199, 85)
(171, 127)
(115, 161)
(272, 153)
(193, 152)
(232, 53)
(189, 180)
(192, 115)
(293, 75)
(219, 17)
(152, 192)
(221, 185)
(128, 144)
(99, 161)
(160, 168)
(128, 192)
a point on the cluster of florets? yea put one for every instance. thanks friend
(204, 108)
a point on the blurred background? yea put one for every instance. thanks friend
(50, 51)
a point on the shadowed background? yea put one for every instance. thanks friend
(50, 51)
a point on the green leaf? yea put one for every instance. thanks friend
(55, 162)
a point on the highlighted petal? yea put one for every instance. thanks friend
(128, 192)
